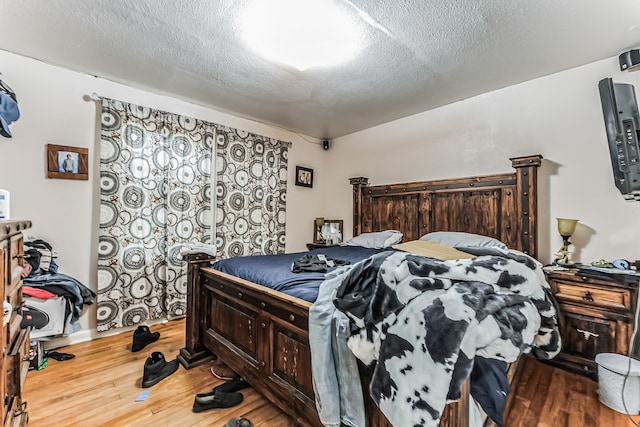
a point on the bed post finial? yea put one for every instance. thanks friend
(527, 181)
(358, 183)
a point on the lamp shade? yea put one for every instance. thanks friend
(566, 226)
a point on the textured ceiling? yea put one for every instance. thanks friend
(418, 54)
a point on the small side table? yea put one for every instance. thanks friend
(312, 246)
(597, 315)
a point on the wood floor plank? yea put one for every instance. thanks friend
(99, 387)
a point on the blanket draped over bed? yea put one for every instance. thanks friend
(421, 321)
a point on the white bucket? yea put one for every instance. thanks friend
(612, 370)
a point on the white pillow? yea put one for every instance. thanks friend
(459, 239)
(377, 240)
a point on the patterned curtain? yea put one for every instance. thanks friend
(155, 183)
(251, 193)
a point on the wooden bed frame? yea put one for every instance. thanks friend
(262, 334)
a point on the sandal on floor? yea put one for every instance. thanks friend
(206, 401)
(235, 384)
(222, 372)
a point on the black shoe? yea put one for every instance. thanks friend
(235, 384)
(59, 356)
(142, 336)
(239, 422)
(206, 401)
(157, 369)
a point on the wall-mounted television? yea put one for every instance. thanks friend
(622, 123)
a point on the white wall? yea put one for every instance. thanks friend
(558, 116)
(55, 109)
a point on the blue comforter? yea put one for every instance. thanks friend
(274, 271)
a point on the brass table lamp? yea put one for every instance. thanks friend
(566, 228)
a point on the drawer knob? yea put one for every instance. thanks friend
(587, 334)
(587, 296)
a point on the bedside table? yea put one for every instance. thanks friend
(596, 316)
(312, 246)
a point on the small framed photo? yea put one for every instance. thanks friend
(66, 162)
(304, 177)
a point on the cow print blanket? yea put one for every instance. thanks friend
(421, 321)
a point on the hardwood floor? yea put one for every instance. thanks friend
(552, 397)
(99, 387)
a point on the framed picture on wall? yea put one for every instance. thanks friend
(304, 177)
(66, 162)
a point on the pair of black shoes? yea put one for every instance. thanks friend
(156, 368)
(222, 396)
(142, 337)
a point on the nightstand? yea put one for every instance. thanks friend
(596, 316)
(312, 246)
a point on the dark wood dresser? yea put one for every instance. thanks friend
(596, 316)
(14, 363)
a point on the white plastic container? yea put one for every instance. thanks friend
(4, 205)
(612, 370)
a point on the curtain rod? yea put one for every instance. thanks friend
(95, 97)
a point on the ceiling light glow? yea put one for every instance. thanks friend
(303, 34)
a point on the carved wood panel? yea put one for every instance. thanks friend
(394, 213)
(587, 336)
(237, 323)
(292, 359)
(468, 211)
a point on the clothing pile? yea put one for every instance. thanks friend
(41, 279)
(312, 263)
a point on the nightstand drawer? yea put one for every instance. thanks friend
(587, 336)
(593, 295)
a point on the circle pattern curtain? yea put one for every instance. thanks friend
(155, 195)
(251, 193)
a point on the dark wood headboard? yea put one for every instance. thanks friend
(503, 206)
